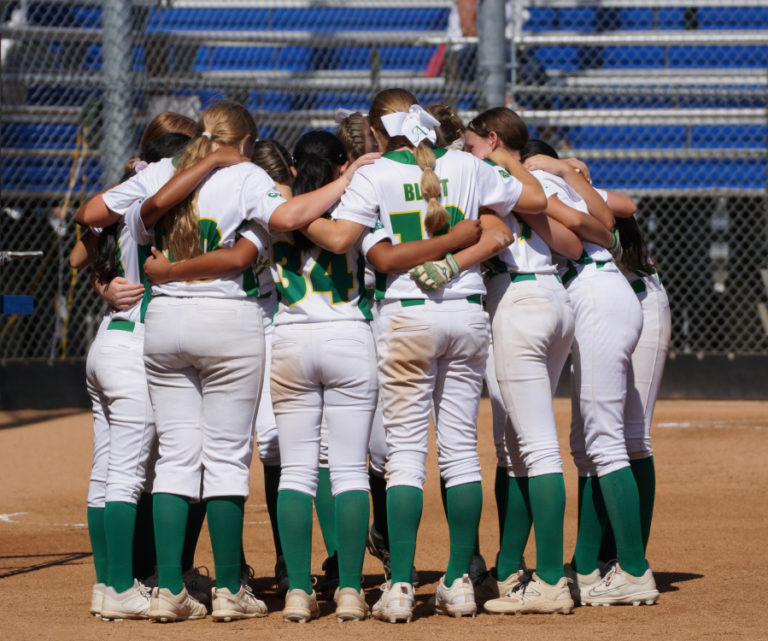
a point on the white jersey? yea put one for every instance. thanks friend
(528, 253)
(315, 285)
(130, 265)
(228, 197)
(389, 191)
(556, 186)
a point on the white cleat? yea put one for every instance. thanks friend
(350, 605)
(534, 596)
(133, 603)
(458, 600)
(300, 607)
(167, 607)
(618, 587)
(230, 607)
(97, 595)
(395, 604)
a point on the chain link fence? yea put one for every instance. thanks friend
(665, 101)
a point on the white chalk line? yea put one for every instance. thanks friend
(717, 425)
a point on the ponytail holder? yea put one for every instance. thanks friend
(416, 125)
(207, 134)
(139, 165)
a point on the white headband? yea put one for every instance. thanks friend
(207, 134)
(416, 125)
(342, 114)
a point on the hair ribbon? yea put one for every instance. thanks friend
(416, 124)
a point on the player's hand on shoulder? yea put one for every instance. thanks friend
(435, 274)
(365, 159)
(580, 166)
(466, 233)
(121, 293)
(548, 164)
(157, 268)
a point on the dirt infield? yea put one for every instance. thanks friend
(707, 549)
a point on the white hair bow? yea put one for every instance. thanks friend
(416, 125)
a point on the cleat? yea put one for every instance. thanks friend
(534, 596)
(618, 587)
(350, 605)
(230, 607)
(580, 584)
(458, 600)
(167, 607)
(281, 576)
(97, 596)
(300, 607)
(133, 603)
(395, 604)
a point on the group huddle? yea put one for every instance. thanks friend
(334, 301)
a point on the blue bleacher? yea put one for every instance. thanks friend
(628, 174)
(729, 136)
(628, 136)
(321, 19)
(45, 174)
(733, 17)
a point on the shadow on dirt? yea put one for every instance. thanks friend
(27, 564)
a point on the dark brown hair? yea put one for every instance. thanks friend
(509, 127)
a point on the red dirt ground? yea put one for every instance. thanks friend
(707, 549)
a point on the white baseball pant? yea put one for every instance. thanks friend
(646, 368)
(532, 327)
(205, 363)
(428, 352)
(608, 321)
(324, 368)
(123, 427)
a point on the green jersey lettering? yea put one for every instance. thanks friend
(526, 233)
(331, 274)
(408, 191)
(292, 286)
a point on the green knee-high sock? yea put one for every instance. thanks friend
(645, 476)
(547, 494)
(119, 526)
(464, 504)
(352, 529)
(144, 558)
(98, 543)
(225, 525)
(500, 490)
(591, 521)
(170, 513)
(517, 527)
(195, 518)
(324, 504)
(404, 506)
(271, 483)
(379, 505)
(623, 506)
(294, 518)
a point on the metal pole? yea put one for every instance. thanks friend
(116, 143)
(491, 48)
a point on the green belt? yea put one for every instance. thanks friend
(572, 272)
(519, 278)
(126, 326)
(477, 299)
(638, 285)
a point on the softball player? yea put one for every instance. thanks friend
(124, 433)
(646, 366)
(608, 321)
(204, 353)
(430, 346)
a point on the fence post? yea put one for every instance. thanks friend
(491, 53)
(117, 44)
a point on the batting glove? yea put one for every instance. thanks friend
(435, 274)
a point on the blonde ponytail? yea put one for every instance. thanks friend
(226, 123)
(437, 216)
(182, 222)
